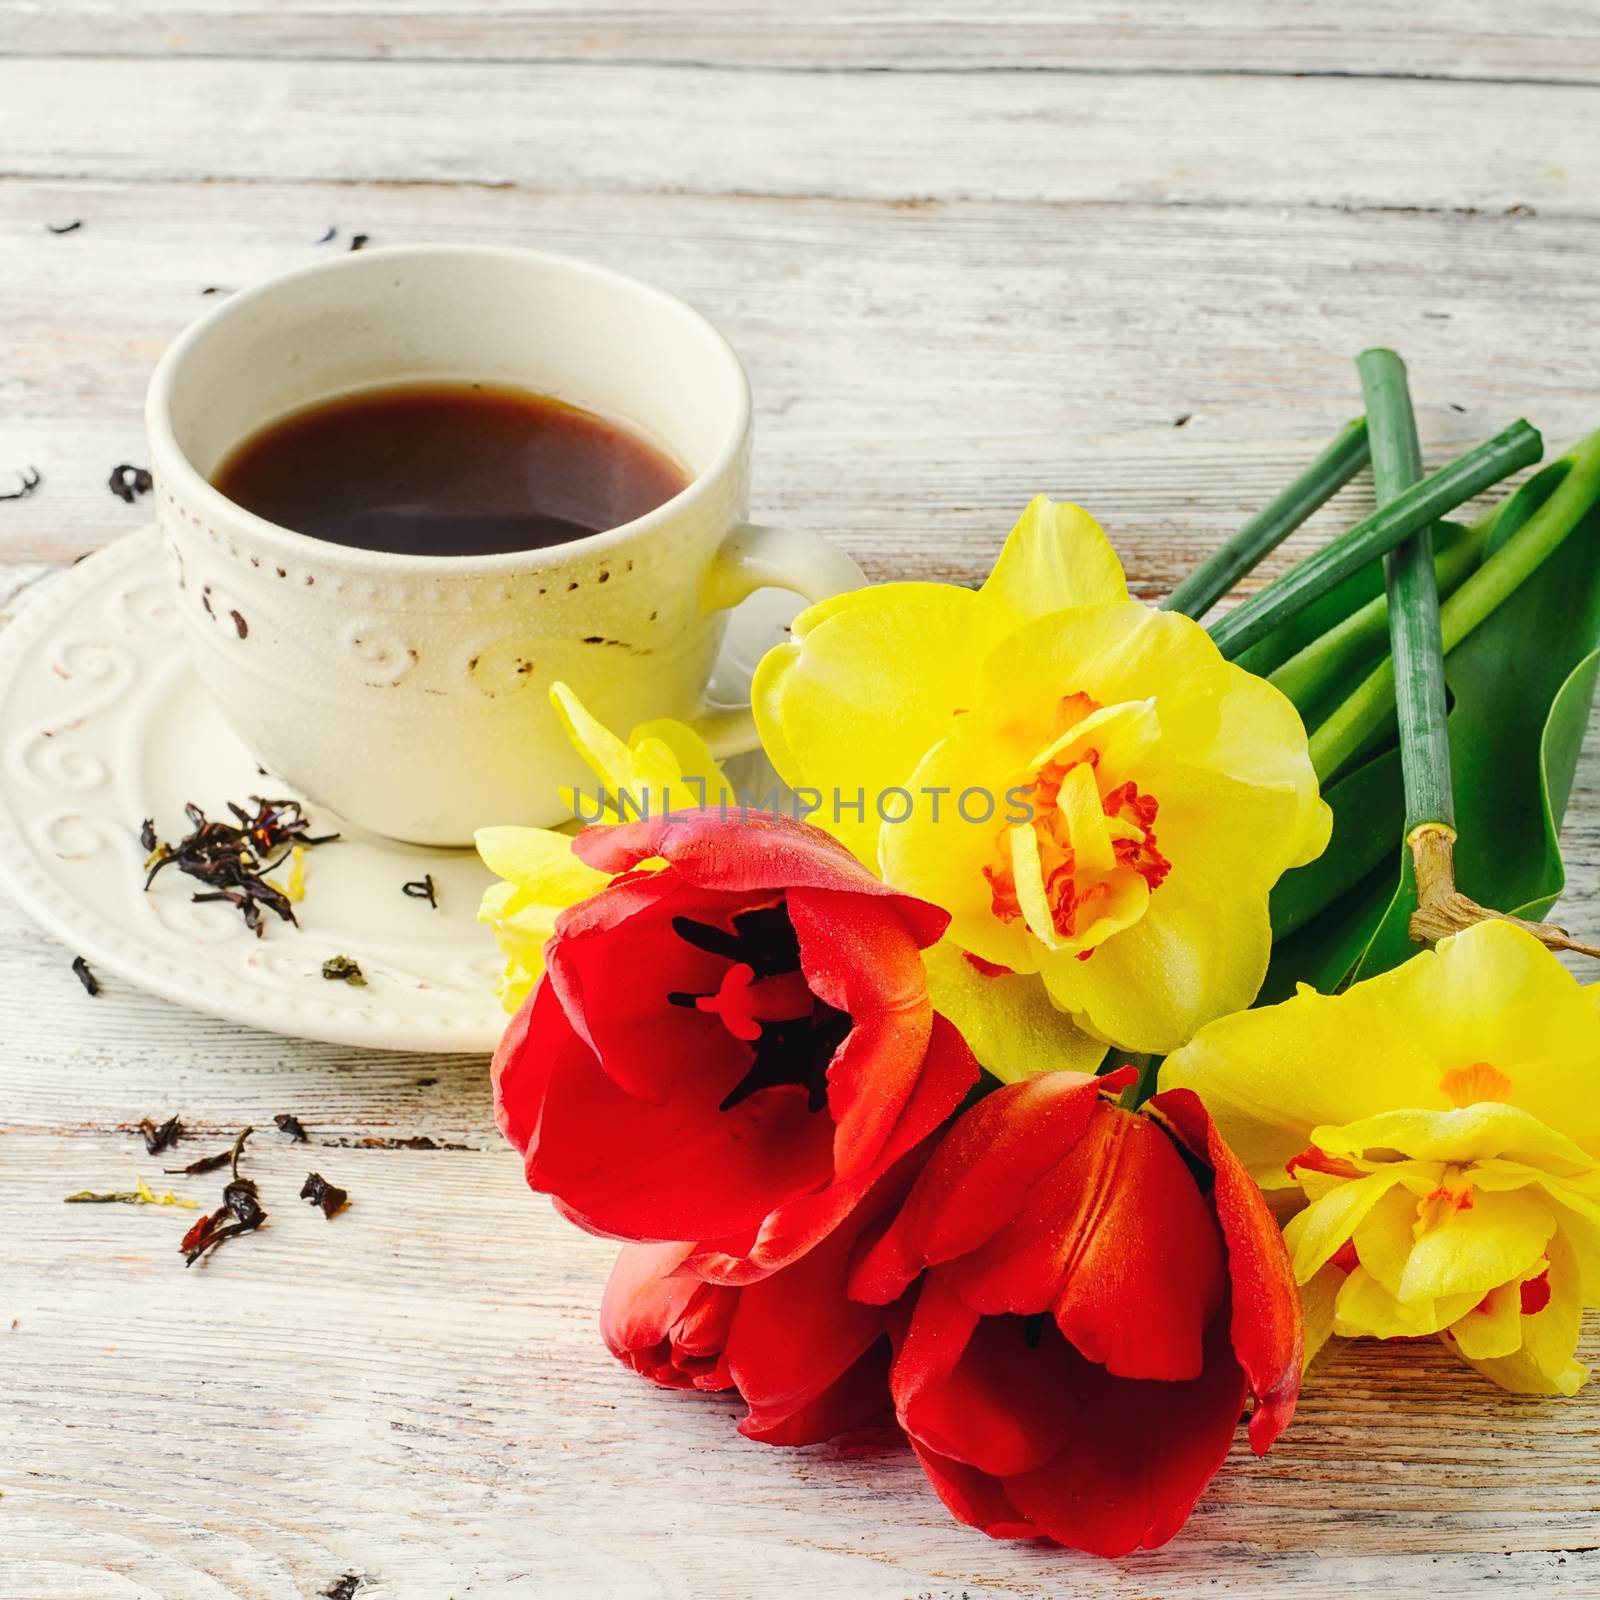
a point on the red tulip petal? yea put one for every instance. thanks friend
(534, 1040)
(886, 1268)
(980, 1175)
(1120, 1242)
(1141, 1453)
(1267, 1327)
(929, 1348)
(795, 1334)
(642, 1296)
(948, 1072)
(623, 899)
(748, 852)
(856, 955)
(859, 1396)
(973, 1497)
(784, 1235)
(682, 1170)
(613, 974)
(982, 1390)
(664, 1324)
(1131, 1456)
(701, 1332)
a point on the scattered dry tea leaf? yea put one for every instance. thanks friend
(320, 1192)
(241, 1202)
(157, 1137)
(233, 860)
(128, 483)
(221, 1159)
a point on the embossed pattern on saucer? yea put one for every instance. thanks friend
(104, 721)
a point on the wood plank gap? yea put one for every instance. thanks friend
(1211, 204)
(1046, 69)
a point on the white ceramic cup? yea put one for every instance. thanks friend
(410, 694)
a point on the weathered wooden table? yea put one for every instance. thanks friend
(1120, 254)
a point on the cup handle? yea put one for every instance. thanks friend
(753, 557)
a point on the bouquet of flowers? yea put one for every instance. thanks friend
(1079, 1044)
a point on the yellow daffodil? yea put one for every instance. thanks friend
(1440, 1127)
(663, 765)
(1099, 799)
(543, 878)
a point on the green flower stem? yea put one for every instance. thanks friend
(1409, 512)
(1414, 633)
(1143, 1086)
(1269, 527)
(1346, 646)
(1363, 714)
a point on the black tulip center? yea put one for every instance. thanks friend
(788, 1049)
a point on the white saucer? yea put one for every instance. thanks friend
(103, 722)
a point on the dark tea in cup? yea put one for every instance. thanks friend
(447, 469)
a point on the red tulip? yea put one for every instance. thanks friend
(1098, 1291)
(809, 1362)
(731, 1048)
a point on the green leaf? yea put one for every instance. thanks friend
(1417, 507)
(1368, 816)
(1522, 685)
(1326, 949)
(1367, 803)
(1319, 675)
(1269, 527)
(1359, 723)
(1304, 628)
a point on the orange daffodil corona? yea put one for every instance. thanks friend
(1146, 794)
(1439, 1126)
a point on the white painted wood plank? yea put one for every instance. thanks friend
(416, 1391)
(919, 374)
(1454, 38)
(1195, 141)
